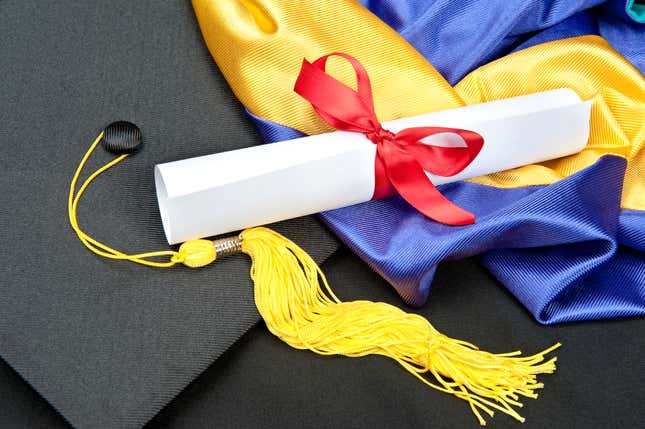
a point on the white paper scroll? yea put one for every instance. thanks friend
(229, 191)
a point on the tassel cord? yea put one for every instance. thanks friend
(92, 244)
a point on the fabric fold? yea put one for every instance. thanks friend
(553, 232)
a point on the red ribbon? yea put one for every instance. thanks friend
(401, 158)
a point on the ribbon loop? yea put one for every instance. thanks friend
(402, 159)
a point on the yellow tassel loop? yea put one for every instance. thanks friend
(298, 306)
(289, 296)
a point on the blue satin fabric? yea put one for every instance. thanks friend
(550, 245)
(566, 251)
(457, 36)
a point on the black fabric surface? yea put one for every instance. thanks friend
(261, 382)
(109, 343)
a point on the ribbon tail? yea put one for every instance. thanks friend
(442, 209)
(411, 182)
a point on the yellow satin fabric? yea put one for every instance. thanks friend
(261, 65)
(259, 46)
(589, 66)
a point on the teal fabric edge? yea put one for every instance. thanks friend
(636, 11)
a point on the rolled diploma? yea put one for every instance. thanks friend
(230, 191)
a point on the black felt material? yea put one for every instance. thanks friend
(108, 343)
(261, 382)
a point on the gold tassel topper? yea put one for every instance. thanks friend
(298, 306)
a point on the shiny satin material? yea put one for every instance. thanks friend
(567, 256)
(557, 248)
(457, 36)
(261, 64)
(596, 72)
(401, 158)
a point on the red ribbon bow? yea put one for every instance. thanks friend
(401, 158)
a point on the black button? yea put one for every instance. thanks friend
(122, 137)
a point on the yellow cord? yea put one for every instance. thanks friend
(95, 245)
(299, 307)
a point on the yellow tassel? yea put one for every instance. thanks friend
(303, 314)
(299, 307)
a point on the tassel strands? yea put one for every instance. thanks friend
(298, 306)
